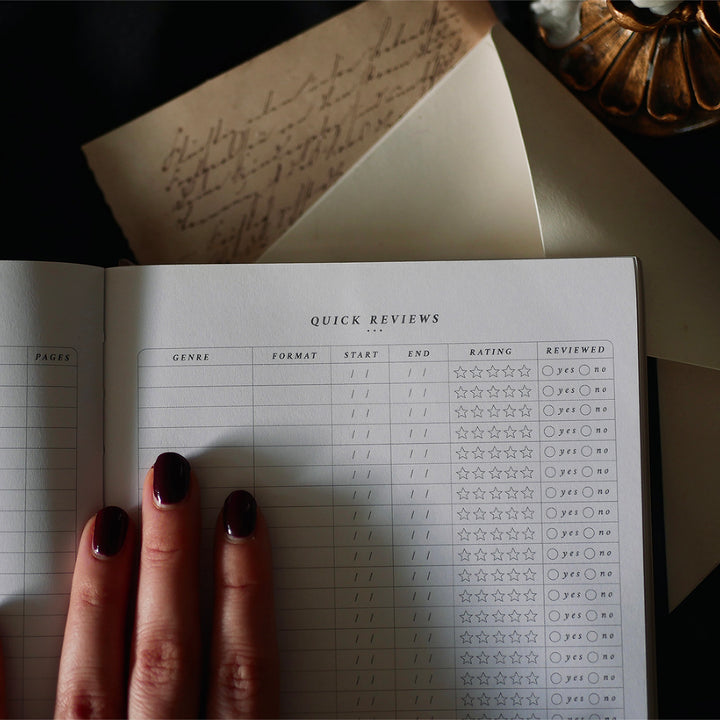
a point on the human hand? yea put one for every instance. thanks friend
(159, 672)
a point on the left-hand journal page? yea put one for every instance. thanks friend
(51, 446)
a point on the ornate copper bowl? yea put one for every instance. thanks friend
(649, 73)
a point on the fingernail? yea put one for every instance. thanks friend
(111, 525)
(239, 515)
(171, 478)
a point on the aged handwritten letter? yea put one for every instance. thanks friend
(219, 173)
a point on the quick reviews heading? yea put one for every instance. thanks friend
(390, 319)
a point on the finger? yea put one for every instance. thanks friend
(164, 674)
(244, 656)
(92, 676)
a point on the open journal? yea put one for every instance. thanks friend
(449, 455)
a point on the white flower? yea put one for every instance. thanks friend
(559, 18)
(659, 7)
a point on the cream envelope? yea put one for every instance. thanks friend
(440, 185)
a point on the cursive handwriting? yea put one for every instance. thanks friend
(236, 183)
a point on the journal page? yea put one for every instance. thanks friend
(51, 349)
(449, 458)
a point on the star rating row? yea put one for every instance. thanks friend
(498, 576)
(476, 372)
(500, 638)
(463, 392)
(499, 616)
(497, 554)
(494, 492)
(494, 514)
(500, 658)
(500, 679)
(500, 700)
(508, 452)
(475, 412)
(511, 472)
(496, 534)
(505, 432)
(498, 596)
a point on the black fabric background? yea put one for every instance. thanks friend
(70, 72)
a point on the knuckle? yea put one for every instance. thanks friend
(158, 665)
(243, 680)
(82, 703)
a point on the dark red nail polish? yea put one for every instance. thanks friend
(111, 525)
(239, 514)
(171, 478)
